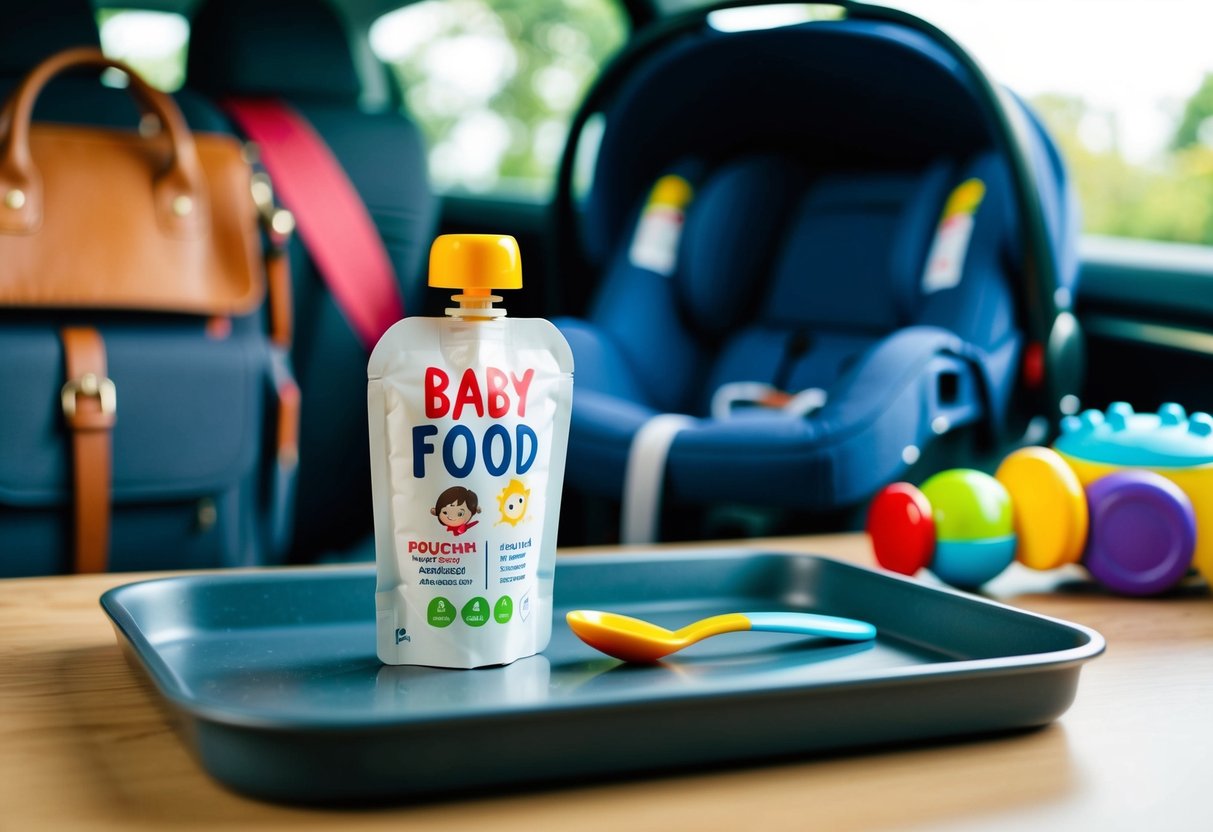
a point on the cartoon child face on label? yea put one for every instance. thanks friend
(455, 509)
(512, 502)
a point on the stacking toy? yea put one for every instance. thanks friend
(966, 514)
(902, 527)
(1050, 507)
(974, 532)
(1170, 443)
(1123, 493)
(1143, 531)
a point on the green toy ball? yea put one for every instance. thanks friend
(974, 526)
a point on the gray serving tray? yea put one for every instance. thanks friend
(274, 678)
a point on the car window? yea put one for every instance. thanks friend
(153, 43)
(494, 83)
(1125, 87)
(1127, 90)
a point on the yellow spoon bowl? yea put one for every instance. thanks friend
(634, 640)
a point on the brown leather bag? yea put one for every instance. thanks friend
(104, 230)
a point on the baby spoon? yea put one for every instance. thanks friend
(633, 640)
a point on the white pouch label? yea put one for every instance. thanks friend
(946, 260)
(468, 425)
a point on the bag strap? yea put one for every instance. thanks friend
(89, 408)
(332, 219)
(279, 224)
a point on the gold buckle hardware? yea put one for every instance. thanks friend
(277, 220)
(91, 385)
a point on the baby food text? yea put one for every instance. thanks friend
(496, 395)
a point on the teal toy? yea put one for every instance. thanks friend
(1123, 493)
(1171, 443)
(960, 525)
(974, 526)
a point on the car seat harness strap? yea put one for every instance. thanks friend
(332, 219)
(736, 396)
(645, 474)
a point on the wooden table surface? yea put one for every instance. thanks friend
(84, 744)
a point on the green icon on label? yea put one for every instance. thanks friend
(476, 612)
(503, 610)
(441, 612)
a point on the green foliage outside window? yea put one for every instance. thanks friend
(1169, 198)
(494, 83)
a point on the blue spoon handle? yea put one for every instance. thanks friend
(811, 624)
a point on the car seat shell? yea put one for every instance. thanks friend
(866, 129)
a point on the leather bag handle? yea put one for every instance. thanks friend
(178, 192)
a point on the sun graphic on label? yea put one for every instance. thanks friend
(512, 502)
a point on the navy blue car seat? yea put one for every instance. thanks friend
(812, 260)
(298, 50)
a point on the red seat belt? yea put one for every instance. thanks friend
(331, 218)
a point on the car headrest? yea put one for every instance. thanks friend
(853, 253)
(732, 227)
(830, 90)
(287, 48)
(33, 31)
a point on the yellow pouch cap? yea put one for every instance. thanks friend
(475, 262)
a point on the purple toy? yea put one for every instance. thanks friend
(1143, 530)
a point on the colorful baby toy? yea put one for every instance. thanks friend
(1123, 493)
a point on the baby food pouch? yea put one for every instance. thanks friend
(469, 421)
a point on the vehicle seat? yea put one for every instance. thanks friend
(297, 50)
(817, 261)
(35, 31)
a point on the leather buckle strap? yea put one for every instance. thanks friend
(90, 405)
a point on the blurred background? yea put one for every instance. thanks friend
(1125, 85)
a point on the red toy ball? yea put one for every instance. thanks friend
(902, 528)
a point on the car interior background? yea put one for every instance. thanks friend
(790, 167)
